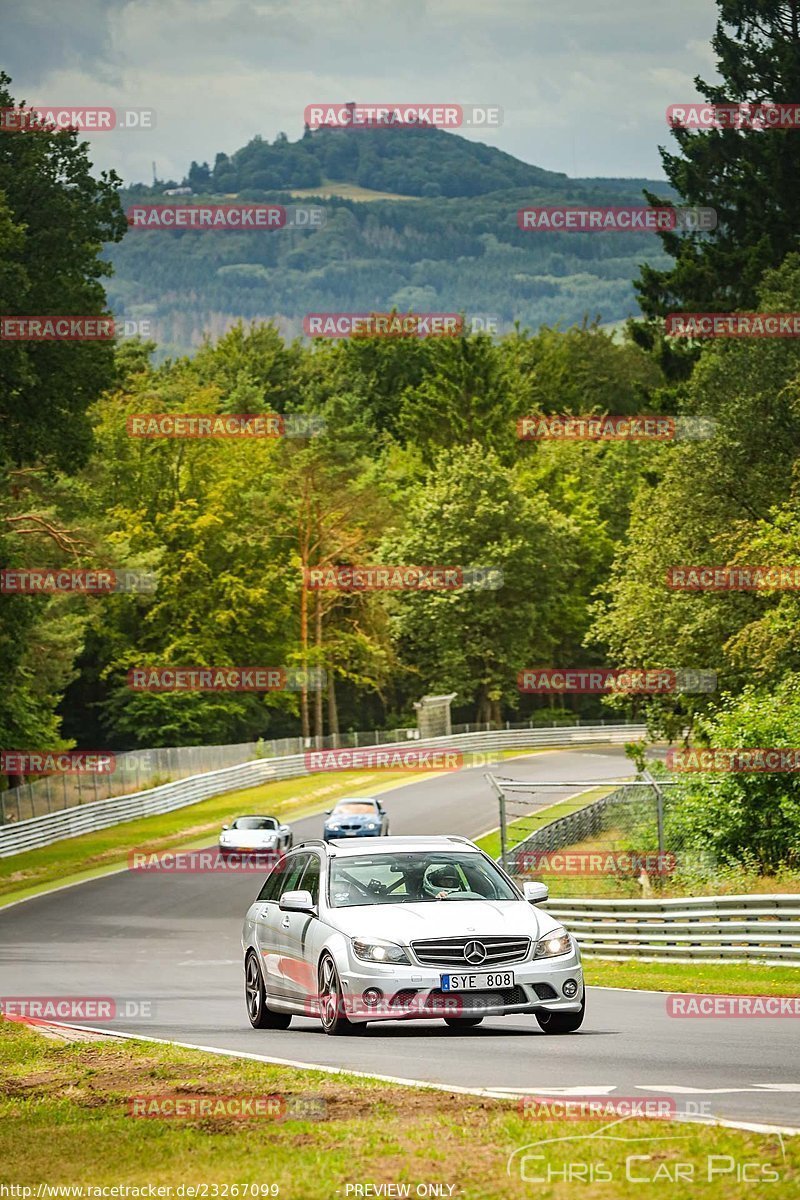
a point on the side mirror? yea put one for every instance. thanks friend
(226, 826)
(535, 893)
(297, 902)
(328, 812)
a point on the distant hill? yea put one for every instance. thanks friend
(407, 160)
(446, 239)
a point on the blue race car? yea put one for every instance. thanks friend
(356, 817)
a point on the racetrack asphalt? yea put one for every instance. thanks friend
(173, 940)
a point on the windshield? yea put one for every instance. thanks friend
(255, 823)
(415, 878)
(360, 807)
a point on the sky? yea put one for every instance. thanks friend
(583, 85)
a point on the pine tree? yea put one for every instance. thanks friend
(750, 177)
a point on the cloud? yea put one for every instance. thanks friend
(583, 87)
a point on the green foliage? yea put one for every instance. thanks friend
(54, 218)
(751, 818)
(750, 178)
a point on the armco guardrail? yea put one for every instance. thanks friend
(99, 814)
(138, 770)
(709, 928)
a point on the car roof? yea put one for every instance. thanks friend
(255, 816)
(356, 800)
(345, 847)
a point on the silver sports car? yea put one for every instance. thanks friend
(255, 834)
(405, 927)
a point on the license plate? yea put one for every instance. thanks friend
(477, 983)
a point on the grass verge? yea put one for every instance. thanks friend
(729, 979)
(70, 1101)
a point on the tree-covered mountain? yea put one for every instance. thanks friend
(415, 219)
(407, 160)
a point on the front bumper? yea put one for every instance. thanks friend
(414, 992)
(254, 851)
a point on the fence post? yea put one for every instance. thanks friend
(659, 814)
(503, 832)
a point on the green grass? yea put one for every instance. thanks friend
(64, 1120)
(735, 979)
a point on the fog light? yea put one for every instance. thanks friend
(372, 997)
(569, 988)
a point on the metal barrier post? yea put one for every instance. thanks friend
(659, 813)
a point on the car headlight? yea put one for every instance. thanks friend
(378, 951)
(557, 942)
(224, 837)
(372, 824)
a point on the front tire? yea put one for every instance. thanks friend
(331, 1001)
(562, 1022)
(255, 994)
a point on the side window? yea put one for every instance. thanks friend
(310, 880)
(268, 891)
(293, 868)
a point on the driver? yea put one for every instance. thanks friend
(440, 882)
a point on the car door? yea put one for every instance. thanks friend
(268, 932)
(297, 943)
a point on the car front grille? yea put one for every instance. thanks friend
(446, 1002)
(450, 952)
